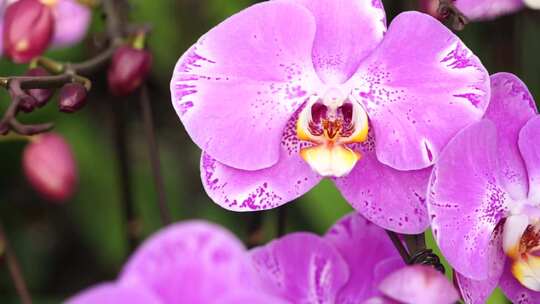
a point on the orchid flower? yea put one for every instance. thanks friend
(484, 198)
(490, 9)
(198, 262)
(288, 92)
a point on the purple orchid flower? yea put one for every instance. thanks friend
(484, 198)
(198, 262)
(490, 9)
(287, 92)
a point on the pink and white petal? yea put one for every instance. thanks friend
(112, 293)
(191, 262)
(488, 9)
(241, 190)
(466, 201)
(381, 300)
(420, 87)
(529, 139)
(237, 87)
(392, 199)
(72, 22)
(517, 293)
(511, 106)
(300, 268)
(369, 254)
(347, 32)
(419, 284)
(534, 4)
(477, 292)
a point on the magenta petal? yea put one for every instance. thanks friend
(369, 254)
(516, 292)
(191, 262)
(301, 268)
(419, 285)
(241, 190)
(510, 108)
(420, 87)
(110, 293)
(466, 200)
(72, 21)
(488, 9)
(529, 145)
(248, 297)
(238, 86)
(347, 31)
(398, 205)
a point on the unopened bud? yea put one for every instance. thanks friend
(72, 97)
(28, 29)
(50, 167)
(129, 68)
(27, 103)
(41, 96)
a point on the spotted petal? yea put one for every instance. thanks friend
(466, 200)
(237, 87)
(420, 87)
(369, 254)
(516, 292)
(488, 9)
(110, 293)
(529, 140)
(191, 262)
(71, 22)
(392, 199)
(338, 48)
(301, 268)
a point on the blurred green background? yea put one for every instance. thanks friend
(64, 248)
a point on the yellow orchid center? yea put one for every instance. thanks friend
(331, 123)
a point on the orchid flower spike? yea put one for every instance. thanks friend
(198, 262)
(484, 198)
(285, 93)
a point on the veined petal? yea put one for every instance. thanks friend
(191, 262)
(392, 199)
(488, 9)
(347, 32)
(516, 292)
(510, 108)
(301, 268)
(529, 140)
(466, 201)
(242, 190)
(420, 87)
(111, 293)
(369, 254)
(237, 87)
(71, 22)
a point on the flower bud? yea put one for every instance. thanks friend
(27, 103)
(129, 68)
(41, 96)
(72, 97)
(28, 29)
(50, 167)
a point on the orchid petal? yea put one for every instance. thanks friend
(109, 293)
(529, 139)
(72, 22)
(488, 9)
(516, 292)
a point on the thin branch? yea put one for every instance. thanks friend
(282, 221)
(14, 269)
(399, 246)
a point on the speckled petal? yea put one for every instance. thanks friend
(516, 292)
(419, 284)
(392, 199)
(420, 87)
(110, 293)
(190, 262)
(477, 292)
(338, 48)
(488, 9)
(510, 108)
(369, 253)
(529, 145)
(466, 200)
(301, 268)
(241, 190)
(237, 87)
(72, 21)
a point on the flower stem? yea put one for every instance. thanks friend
(153, 152)
(399, 245)
(282, 221)
(14, 269)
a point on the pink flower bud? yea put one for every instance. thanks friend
(41, 96)
(28, 29)
(129, 68)
(27, 104)
(72, 97)
(50, 167)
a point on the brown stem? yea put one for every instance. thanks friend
(14, 269)
(399, 246)
(282, 221)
